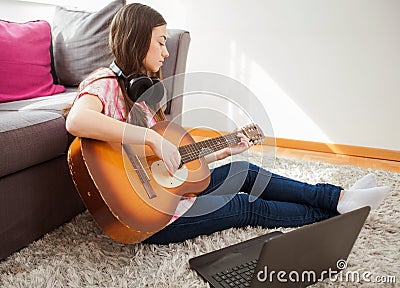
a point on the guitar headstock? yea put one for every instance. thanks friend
(254, 133)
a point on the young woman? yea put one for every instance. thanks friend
(138, 43)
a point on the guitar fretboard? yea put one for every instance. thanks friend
(196, 150)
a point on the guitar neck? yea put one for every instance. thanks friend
(200, 149)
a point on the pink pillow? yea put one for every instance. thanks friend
(25, 61)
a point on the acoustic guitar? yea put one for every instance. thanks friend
(127, 188)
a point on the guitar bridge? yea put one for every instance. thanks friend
(140, 171)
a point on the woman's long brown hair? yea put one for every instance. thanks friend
(129, 40)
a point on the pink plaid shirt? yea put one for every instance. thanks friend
(110, 95)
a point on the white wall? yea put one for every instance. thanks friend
(324, 70)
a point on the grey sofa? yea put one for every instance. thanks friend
(36, 191)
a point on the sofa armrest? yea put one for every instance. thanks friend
(178, 46)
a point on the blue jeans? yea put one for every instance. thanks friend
(265, 199)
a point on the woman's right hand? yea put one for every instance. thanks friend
(164, 150)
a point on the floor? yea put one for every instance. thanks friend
(376, 164)
(337, 159)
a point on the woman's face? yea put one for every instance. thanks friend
(157, 51)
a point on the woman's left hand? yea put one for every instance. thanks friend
(240, 147)
(234, 149)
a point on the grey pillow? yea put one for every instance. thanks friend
(80, 42)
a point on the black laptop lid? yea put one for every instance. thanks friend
(308, 254)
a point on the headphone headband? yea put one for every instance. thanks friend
(117, 71)
(114, 67)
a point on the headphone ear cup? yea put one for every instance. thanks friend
(151, 90)
(137, 86)
(158, 91)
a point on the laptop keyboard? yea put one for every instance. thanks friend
(238, 277)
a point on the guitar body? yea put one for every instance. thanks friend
(113, 190)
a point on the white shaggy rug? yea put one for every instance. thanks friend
(78, 254)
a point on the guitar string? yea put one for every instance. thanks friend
(196, 150)
(211, 144)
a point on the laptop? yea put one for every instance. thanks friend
(294, 259)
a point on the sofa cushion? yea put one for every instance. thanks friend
(30, 137)
(45, 103)
(34, 132)
(80, 42)
(177, 44)
(25, 61)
